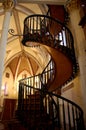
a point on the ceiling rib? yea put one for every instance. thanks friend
(17, 22)
(59, 2)
(43, 8)
(24, 10)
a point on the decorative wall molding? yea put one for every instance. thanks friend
(67, 87)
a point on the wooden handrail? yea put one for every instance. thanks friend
(61, 112)
(40, 32)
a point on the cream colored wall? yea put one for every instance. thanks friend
(7, 86)
(11, 84)
(8, 82)
(73, 92)
(80, 42)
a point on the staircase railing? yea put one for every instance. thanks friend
(48, 111)
(45, 78)
(38, 108)
(43, 29)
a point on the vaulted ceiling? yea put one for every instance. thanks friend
(17, 56)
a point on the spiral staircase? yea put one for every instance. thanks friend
(40, 106)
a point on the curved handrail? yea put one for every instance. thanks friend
(43, 29)
(45, 78)
(28, 29)
(38, 19)
(61, 112)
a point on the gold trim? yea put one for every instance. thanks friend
(8, 4)
(73, 4)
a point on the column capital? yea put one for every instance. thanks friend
(8, 4)
(73, 4)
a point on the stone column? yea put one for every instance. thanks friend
(80, 46)
(7, 6)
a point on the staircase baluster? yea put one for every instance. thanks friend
(50, 104)
(33, 26)
(73, 116)
(76, 113)
(69, 117)
(58, 114)
(36, 24)
(31, 87)
(64, 38)
(30, 25)
(64, 120)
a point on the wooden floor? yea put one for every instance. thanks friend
(1, 126)
(16, 125)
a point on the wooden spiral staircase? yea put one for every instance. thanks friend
(40, 106)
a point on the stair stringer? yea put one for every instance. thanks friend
(63, 66)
